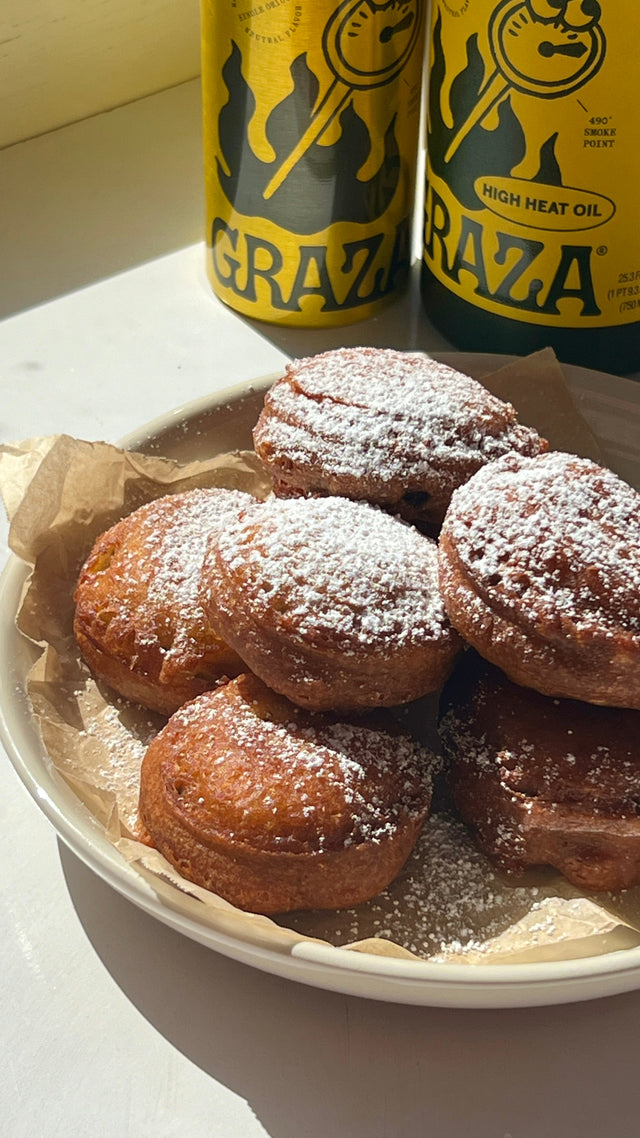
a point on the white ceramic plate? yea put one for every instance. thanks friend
(221, 423)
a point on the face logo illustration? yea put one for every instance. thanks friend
(495, 153)
(544, 48)
(365, 45)
(530, 211)
(537, 49)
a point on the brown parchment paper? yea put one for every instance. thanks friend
(448, 903)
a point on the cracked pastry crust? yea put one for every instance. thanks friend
(539, 564)
(139, 620)
(393, 428)
(333, 603)
(544, 781)
(274, 808)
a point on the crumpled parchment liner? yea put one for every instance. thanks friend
(448, 903)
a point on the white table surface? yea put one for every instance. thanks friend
(111, 1024)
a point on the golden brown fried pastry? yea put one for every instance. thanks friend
(333, 603)
(540, 571)
(276, 809)
(544, 781)
(396, 429)
(139, 620)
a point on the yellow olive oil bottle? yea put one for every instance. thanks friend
(311, 123)
(532, 224)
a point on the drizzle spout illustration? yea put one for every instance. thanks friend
(366, 44)
(545, 48)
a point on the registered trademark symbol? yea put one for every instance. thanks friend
(602, 250)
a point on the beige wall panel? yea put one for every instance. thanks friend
(62, 60)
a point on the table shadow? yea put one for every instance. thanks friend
(313, 1063)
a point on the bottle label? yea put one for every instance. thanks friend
(533, 159)
(311, 114)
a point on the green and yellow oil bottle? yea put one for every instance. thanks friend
(532, 228)
(311, 123)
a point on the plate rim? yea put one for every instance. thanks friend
(401, 980)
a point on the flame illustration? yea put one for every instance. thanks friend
(297, 205)
(390, 29)
(480, 152)
(543, 48)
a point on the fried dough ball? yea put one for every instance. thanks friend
(333, 603)
(274, 808)
(540, 571)
(393, 428)
(544, 781)
(139, 620)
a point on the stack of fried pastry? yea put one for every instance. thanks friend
(270, 787)
(540, 570)
(275, 633)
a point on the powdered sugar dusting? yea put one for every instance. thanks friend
(385, 414)
(446, 901)
(177, 549)
(317, 777)
(338, 568)
(556, 537)
(155, 570)
(553, 750)
(112, 745)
